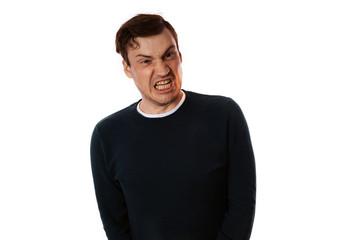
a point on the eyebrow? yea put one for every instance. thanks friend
(146, 56)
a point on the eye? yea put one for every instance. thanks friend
(169, 55)
(146, 61)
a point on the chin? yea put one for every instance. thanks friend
(165, 100)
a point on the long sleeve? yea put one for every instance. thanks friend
(238, 221)
(109, 195)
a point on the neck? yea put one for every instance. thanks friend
(152, 108)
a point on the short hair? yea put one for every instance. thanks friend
(142, 25)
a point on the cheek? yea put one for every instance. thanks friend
(134, 73)
(175, 65)
(142, 76)
(178, 68)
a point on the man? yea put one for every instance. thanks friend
(176, 165)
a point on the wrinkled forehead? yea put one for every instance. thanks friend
(155, 44)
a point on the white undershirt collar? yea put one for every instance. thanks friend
(161, 115)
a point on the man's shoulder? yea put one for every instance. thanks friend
(210, 100)
(118, 118)
(217, 106)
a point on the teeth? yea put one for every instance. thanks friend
(161, 87)
(163, 82)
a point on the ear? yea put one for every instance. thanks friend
(127, 69)
(180, 56)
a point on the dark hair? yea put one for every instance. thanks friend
(142, 25)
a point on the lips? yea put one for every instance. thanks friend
(163, 84)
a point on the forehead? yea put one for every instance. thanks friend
(153, 45)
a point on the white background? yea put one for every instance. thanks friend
(293, 67)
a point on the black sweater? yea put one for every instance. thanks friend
(186, 176)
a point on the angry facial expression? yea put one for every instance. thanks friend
(155, 67)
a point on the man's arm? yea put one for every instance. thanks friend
(109, 195)
(238, 221)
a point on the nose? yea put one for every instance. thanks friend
(162, 69)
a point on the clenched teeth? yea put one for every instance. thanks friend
(163, 84)
(161, 87)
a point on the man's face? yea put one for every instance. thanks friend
(156, 70)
